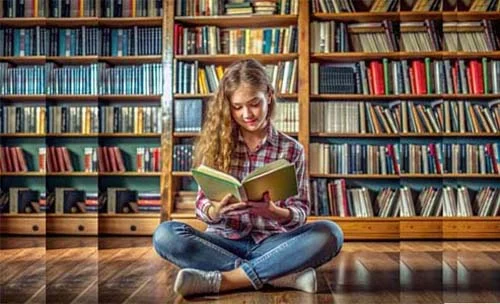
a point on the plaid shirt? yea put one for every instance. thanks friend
(275, 146)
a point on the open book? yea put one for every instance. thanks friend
(277, 177)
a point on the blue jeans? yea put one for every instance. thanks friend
(310, 245)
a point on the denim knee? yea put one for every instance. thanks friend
(166, 238)
(334, 235)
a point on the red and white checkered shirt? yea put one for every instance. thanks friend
(275, 146)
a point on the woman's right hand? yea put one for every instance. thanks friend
(224, 207)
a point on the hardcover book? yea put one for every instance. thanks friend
(277, 177)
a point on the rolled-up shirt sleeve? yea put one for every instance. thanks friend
(299, 205)
(202, 203)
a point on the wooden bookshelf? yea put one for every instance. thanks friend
(393, 97)
(73, 174)
(227, 59)
(23, 224)
(84, 224)
(130, 173)
(144, 224)
(130, 59)
(395, 228)
(189, 96)
(89, 224)
(402, 135)
(355, 56)
(238, 21)
(20, 174)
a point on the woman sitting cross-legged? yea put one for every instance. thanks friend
(247, 244)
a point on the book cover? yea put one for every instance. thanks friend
(277, 177)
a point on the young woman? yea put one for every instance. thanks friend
(247, 244)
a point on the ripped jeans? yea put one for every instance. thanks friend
(310, 245)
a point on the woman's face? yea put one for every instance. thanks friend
(249, 108)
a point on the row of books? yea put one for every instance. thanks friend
(479, 36)
(343, 6)
(182, 157)
(193, 78)
(414, 36)
(387, 77)
(437, 158)
(287, 117)
(48, 8)
(405, 117)
(83, 8)
(131, 119)
(80, 119)
(93, 79)
(70, 119)
(148, 159)
(131, 8)
(222, 7)
(83, 41)
(12, 159)
(450, 201)
(335, 198)
(213, 40)
(429, 158)
(71, 200)
(23, 119)
(188, 116)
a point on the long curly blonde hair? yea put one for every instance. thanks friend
(219, 134)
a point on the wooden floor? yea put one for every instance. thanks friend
(127, 270)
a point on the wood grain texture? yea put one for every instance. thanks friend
(128, 270)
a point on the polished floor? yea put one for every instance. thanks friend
(127, 270)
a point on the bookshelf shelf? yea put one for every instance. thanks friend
(356, 56)
(405, 16)
(181, 173)
(23, 174)
(188, 96)
(73, 59)
(402, 96)
(71, 135)
(24, 59)
(196, 134)
(130, 21)
(186, 134)
(21, 135)
(24, 215)
(83, 21)
(402, 135)
(23, 98)
(30, 135)
(131, 98)
(130, 215)
(238, 21)
(469, 16)
(419, 16)
(131, 173)
(450, 175)
(28, 22)
(70, 98)
(360, 176)
(72, 22)
(153, 135)
(130, 59)
(74, 215)
(357, 16)
(227, 59)
(73, 174)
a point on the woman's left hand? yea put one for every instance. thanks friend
(268, 209)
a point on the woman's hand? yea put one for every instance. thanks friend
(224, 207)
(268, 209)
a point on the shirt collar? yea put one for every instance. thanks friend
(271, 136)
